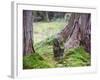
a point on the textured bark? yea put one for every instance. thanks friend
(63, 35)
(27, 32)
(57, 50)
(77, 32)
(86, 32)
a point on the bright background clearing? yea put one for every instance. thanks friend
(43, 30)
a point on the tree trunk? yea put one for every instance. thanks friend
(77, 32)
(86, 31)
(47, 16)
(27, 32)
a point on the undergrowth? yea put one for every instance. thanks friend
(43, 58)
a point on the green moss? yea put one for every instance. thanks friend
(34, 61)
(77, 57)
(43, 58)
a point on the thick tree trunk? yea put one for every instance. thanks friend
(86, 31)
(77, 32)
(27, 32)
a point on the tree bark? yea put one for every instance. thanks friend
(86, 31)
(47, 16)
(77, 32)
(27, 32)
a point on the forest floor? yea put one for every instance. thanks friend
(44, 57)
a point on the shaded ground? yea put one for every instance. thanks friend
(43, 43)
(43, 58)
